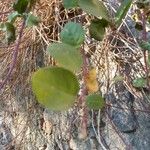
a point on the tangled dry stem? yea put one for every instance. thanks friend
(106, 56)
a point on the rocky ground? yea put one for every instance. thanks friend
(124, 124)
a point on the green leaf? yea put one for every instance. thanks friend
(72, 34)
(20, 6)
(31, 4)
(95, 101)
(139, 82)
(66, 56)
(12, 17)
(10, 33)
(2, 27)
(118, 78)
(94, 7)
(97, 29)
(145, 45)
(55, 88)
(32, 20)
(70, 3)
(10, 30)
(139, 26)
(122, 11)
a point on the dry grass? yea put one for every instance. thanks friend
(108, 57)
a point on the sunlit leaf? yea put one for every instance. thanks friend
(94, 7)
(20, 6)
(95, 101)
(55, 88)
(139, 82)
(72, 34)
(66, 55)
(122, 11)
(91, 81)
(70, 3)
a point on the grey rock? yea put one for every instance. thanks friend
(121, 111)
(133, 125)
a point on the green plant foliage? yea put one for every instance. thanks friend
(94, 7)
(2, 27)
(95, 101)
(139, 82)
(145, 45)
(70, 3)
(66, 55)
(56, 88)
(139, 26)
(122, 11)
(31, 4)
(118, 78)
(97, 29)
(72, 34)
(10, 30)
(32, 20)
(20, 6)
(12, 17)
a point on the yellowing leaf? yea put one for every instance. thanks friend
(91, 81)
(55, 87)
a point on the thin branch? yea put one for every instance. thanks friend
(14, 58)
(84, 92)
(97, 134)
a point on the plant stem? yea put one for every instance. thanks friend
(14, 59)
(84, 92)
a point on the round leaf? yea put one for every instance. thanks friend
(94, 7)
(20, 6)
(72, 34)
(95, 101)
(70, 3)
(97, 29)
(56, 88)
(66, 55)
